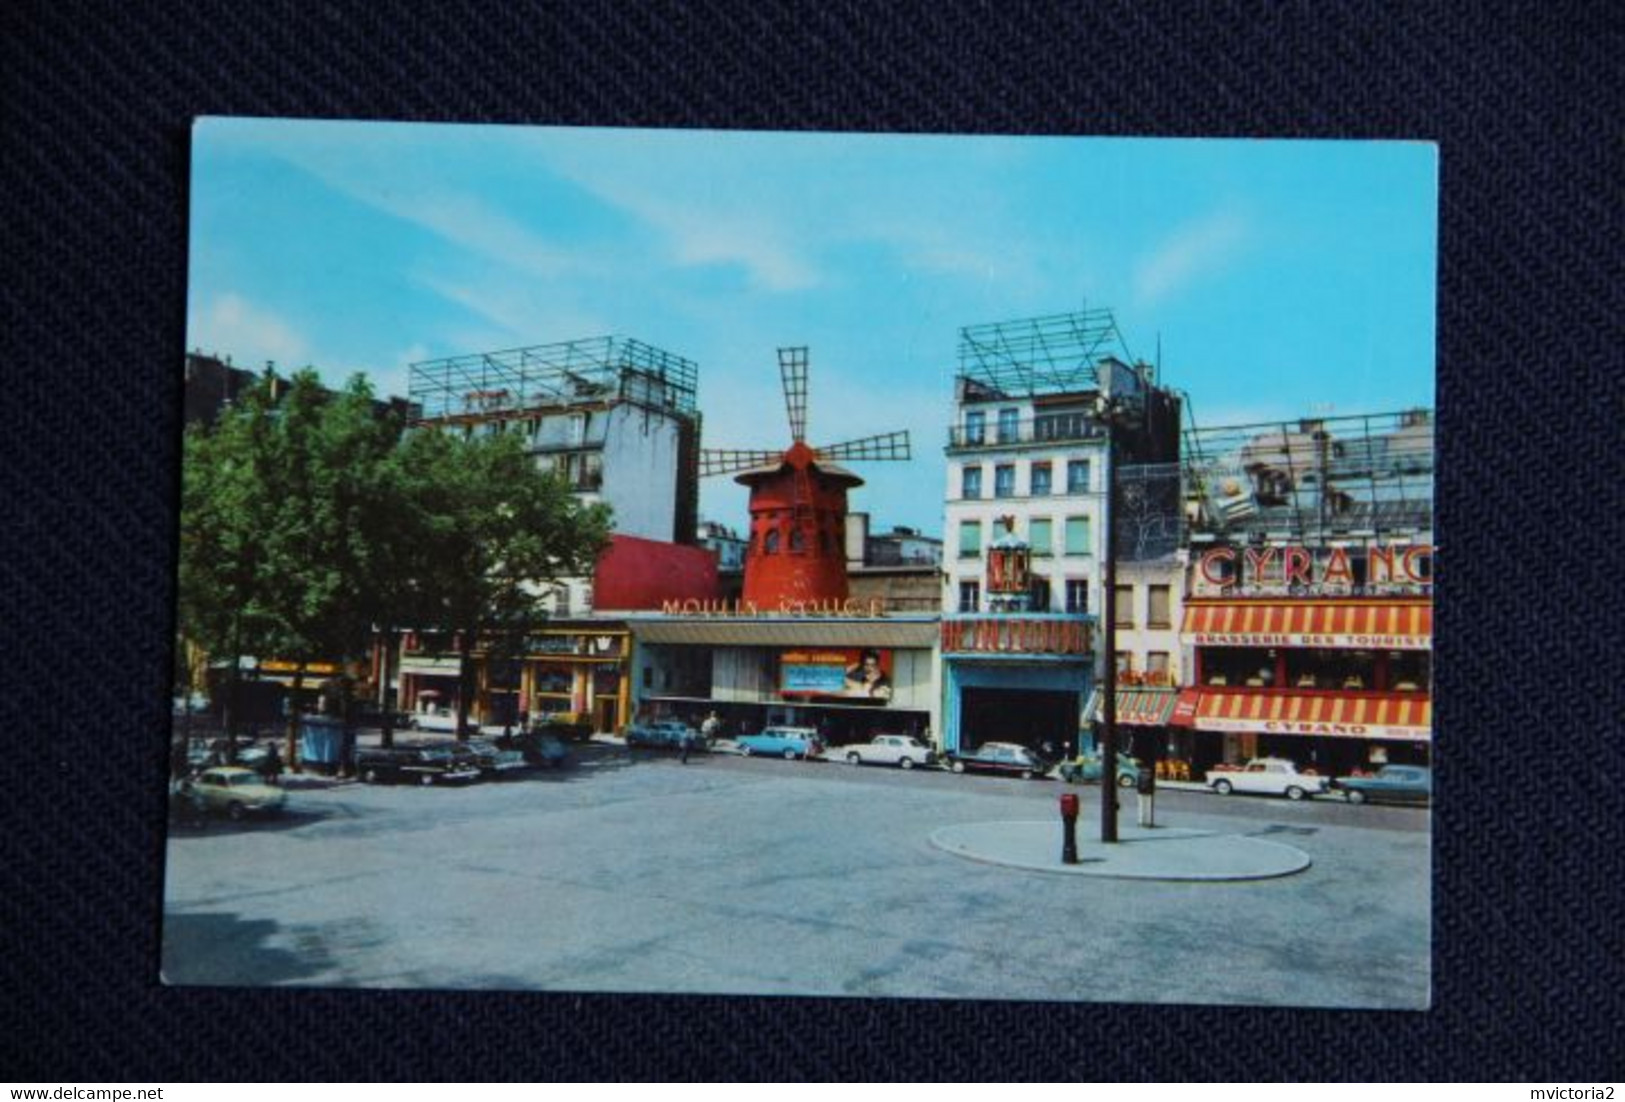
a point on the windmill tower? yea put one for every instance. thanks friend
(797, 549)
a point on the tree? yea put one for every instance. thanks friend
(496, 533)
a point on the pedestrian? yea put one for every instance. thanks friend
(687, 742)
(271, 766)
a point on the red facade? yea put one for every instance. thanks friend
(797, 548)
(636, 573)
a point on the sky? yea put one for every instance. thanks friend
(1269, 280)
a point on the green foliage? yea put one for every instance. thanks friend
(308, 520)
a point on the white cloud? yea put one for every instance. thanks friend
(230, 325)
(1195, 250)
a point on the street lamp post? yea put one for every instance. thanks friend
(1108, 709)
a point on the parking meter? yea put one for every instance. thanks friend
(1069, 828)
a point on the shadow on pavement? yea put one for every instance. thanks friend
(226, 950)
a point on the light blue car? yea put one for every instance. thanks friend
(788, 743)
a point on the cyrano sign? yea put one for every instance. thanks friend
(1303, 570)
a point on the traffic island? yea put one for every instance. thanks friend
(1155, 853)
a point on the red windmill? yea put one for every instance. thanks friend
(797, 549)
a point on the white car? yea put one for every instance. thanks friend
(443, 720)
(1268, 777)
(903, 751)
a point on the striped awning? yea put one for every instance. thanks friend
(1352, 715)
(1137, 707)
(1377, 625)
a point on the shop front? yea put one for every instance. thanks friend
(1016, 677)
(850, 677)
(1337, 685)
(1145, 730)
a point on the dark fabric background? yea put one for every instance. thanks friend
(97, 101)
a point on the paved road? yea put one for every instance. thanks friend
(761, 876)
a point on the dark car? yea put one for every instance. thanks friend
(1089, 767)
(1410, 784)
(423, 765)
(999, 757)
(542, 747)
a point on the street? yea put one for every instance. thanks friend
(733, 875)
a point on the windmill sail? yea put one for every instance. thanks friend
(715, 461)
(793, 371)
(887, 445)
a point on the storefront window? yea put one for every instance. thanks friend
(1409, 671)
(1251, 666)
(1330, 669)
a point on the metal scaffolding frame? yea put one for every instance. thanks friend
(517, 381)
(1054, 354)
(1363, 475)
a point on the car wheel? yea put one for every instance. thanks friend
(959, 767)
(905, 763)
(745, 751)
(789, 754)
(1222, 787)
(1295, 793)
(1125, 781)
(1356, 796)
(370, 777)
(234, 811)
(853, 759)
(426, 780)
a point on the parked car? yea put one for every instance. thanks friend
(441, 719)
(234, 791)
(493, 759)
(664, 734)
(1396, 783)
(999, 757)
(566, 725)
(903, 751)
(1267, 777)
(423, 765)
(542, 748)
(1088, 767)
(789, 743)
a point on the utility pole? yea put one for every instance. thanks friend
(1108, 705)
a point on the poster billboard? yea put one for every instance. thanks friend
(846, 673)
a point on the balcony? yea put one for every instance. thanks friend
(1050, 428)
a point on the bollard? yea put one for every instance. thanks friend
(1069, 828)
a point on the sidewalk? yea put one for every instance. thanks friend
(1142, 853)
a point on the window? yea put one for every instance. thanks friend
(1077, 536)
(1156, 668)
(1077, 476)
(1125, 606)
(798, 540)
(970, 596)
(1157, 616)
(1009, 421)
(975, 426)
(1041, 535)
(1041, 479)
(1125, 663)
(970, 483)
(1077, 595)
(1004, 480)
(970, 539)
(770, 542)
(1039, 595)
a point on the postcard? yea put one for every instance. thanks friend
(814, 564)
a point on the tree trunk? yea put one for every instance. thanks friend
(465, 663)
(387, 739)
(294, 765)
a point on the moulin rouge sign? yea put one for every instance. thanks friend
(1336, 571)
